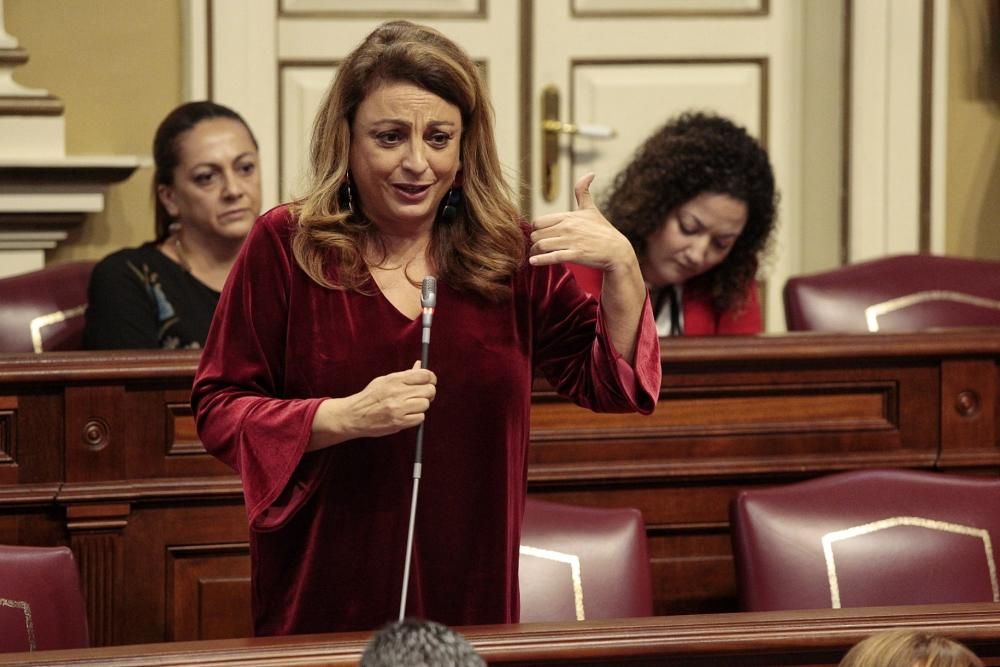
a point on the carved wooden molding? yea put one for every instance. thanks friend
(76, 171)
(13, 57)
(28, 494)
(99, 547)
(151, 490)
(182, 435)
(810, 637)
(46, 105)
(8, 436)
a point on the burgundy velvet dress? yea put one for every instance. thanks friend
(328, 528)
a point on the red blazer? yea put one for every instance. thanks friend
(700, 317)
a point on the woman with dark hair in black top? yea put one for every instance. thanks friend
(207, 192)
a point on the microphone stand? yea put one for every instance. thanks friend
(428, 300)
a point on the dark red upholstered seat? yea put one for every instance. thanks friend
(583, 563)
(41, 606)
(43, 310)
(867, 538)
(900, 293)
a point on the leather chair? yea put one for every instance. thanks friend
(43, 310)
(41, 606)
(867, 538)
(583, 563)
(900, 293)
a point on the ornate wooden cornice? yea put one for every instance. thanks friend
(29, 105)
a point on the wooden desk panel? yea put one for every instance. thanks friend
(801, 638)
(98, 451)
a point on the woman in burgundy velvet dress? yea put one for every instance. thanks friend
(310, 384)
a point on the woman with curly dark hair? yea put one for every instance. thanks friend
(698, 204)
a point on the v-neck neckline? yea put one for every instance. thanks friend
(382, 295)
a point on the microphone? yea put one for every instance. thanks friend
(428, 301)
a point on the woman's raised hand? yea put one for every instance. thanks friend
(583, 236)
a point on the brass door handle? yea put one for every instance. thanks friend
(552, 127)
(590, 131)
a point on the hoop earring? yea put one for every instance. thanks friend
(346, 196)
(451, 203)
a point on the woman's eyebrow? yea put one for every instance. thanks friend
(695, 218)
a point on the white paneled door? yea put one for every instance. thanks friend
(604, 74)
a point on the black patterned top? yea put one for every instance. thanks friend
(141, 299)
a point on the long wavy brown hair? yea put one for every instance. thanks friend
(477, 251)
(695, 153)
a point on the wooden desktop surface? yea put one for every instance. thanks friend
(817, 638)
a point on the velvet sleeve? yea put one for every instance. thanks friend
(121, 315)
(574, 352)
(242, 415)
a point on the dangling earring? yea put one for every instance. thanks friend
(346, 194)
(452, 201)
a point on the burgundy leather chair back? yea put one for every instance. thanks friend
(43, 310)
(582, 563)
(867, 538)
(901, 293)
(41, 606)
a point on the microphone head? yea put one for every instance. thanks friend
(428, 292)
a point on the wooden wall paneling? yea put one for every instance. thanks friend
(158, 411)
(715, 422)
(97, 435)
(27, 516)
(183, 455)
(208, 592)
(692, 570)
(8, 529)
(95, 536)
(721, 426)
(969, 408)
(40, 433)
(185, 546)
(8, 438)
(30, 436)
(167, 520)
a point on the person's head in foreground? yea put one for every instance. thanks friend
(909, 648)
(419, 643)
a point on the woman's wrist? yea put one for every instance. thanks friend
(331, 424)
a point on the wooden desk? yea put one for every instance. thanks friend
(813, 638)
(98, 451)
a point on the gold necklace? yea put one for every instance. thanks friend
(181, 257)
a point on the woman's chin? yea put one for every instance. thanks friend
(412, 215)
(665, 279)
